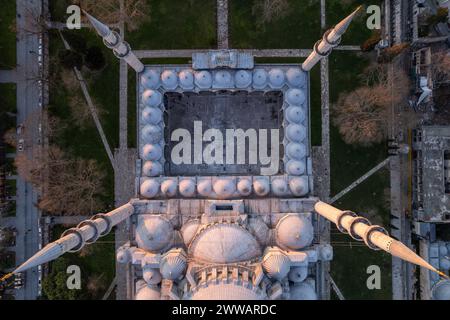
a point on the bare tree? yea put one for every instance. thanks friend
(270, 10)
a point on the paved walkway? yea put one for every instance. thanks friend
(222, 24)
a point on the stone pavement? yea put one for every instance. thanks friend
(222, 24)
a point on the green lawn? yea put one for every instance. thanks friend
(7, 106)
(8, 36)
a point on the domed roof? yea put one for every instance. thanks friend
(187, 187)
(276, 265)
(259, 229)
(226, 291)
(296, 132)
(223, 79)
(150, 79)
(151, 98)
(151, 133)
(294, 232)
(259, 78)
(188, 230)
(296, 151)
(224, 188)
(186, 78)
(295, 114)
(151, 169)
(151, 115)
(441, 290)
(244, 187)
(298, 274)
(204, 187)
(276, 78)
(203, 79)
(295, 167)
(151, 152)
(295, 97)
(148, 292)
(296, 77)
(279, 186)
(149, 188)
(444, 263)
(326, 252)
(169, 187)
(172, 266)
(122, 256)
(225, 243)
(169, 79)
(154, 233)
(151, 275)
(299, 186)
(302, 291)
(261, 187)
(243, 79)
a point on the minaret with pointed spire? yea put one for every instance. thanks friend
(113, 40)
(330, 40)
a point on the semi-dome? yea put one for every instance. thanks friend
(169, 187)
(204, 187)
(227, 291)
(294, 232)
(149, 188)
(443, 249)
(296, 77)
(187, 187)
(243, 79)
(296, 151)
(279, 186)
(154, 233)
(299, 186)
(150, 79)
(261, 187)
(276, 78)
(295, 167)
(123, 256)
(298, 274)
(151, 275)
(444, 263)
(172, 266)
(224, 243)
(151, 152)
(152, 169)
(169, 79)
(244, 187)
(223, 79)
(151, 133)
(295, 97)
(259, 229)
(276, 265)
(148, 292)
(186, 79)
(189, 230)
(203, 79)
(224, 188)
(296, 132)
(259, 78)
(151, 98)
(441, 290)
(151, 115)
(302, 291)
(295, 114)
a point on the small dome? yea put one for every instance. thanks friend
(296, 77)
(295, 97)
(186, 78)
(149, 188)
(302, 291)
(148, 292)
(295, 167)
(296, 151)
(259, 230)
(444, 263)
(203, 79)
(279, 186)
(244, 187)
(296, 132)
(123, 256)
(223, 79)
(151, 115)
(169, 79)
(326, 253)
(151, 152)
(151, 134)
(151, 275)
(443, 249)
(276, 265)
(276, 78)
(169, 187)
(150, 79)
(298, 274)
(243, 79)
(172, 266)
(299, 186)
(188, 230)
(259, 78)
(187, 188)
(441, 290)
(152, 169)
(204, 187)
(154, 233)
(151, 98)
(295, 114)
(224, 188)
(294, 232)
(261, 187)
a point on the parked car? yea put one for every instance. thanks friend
(20, 145)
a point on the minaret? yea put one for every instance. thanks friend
(113, 41)
(375, 237)
(72, 240)
(330, 40)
